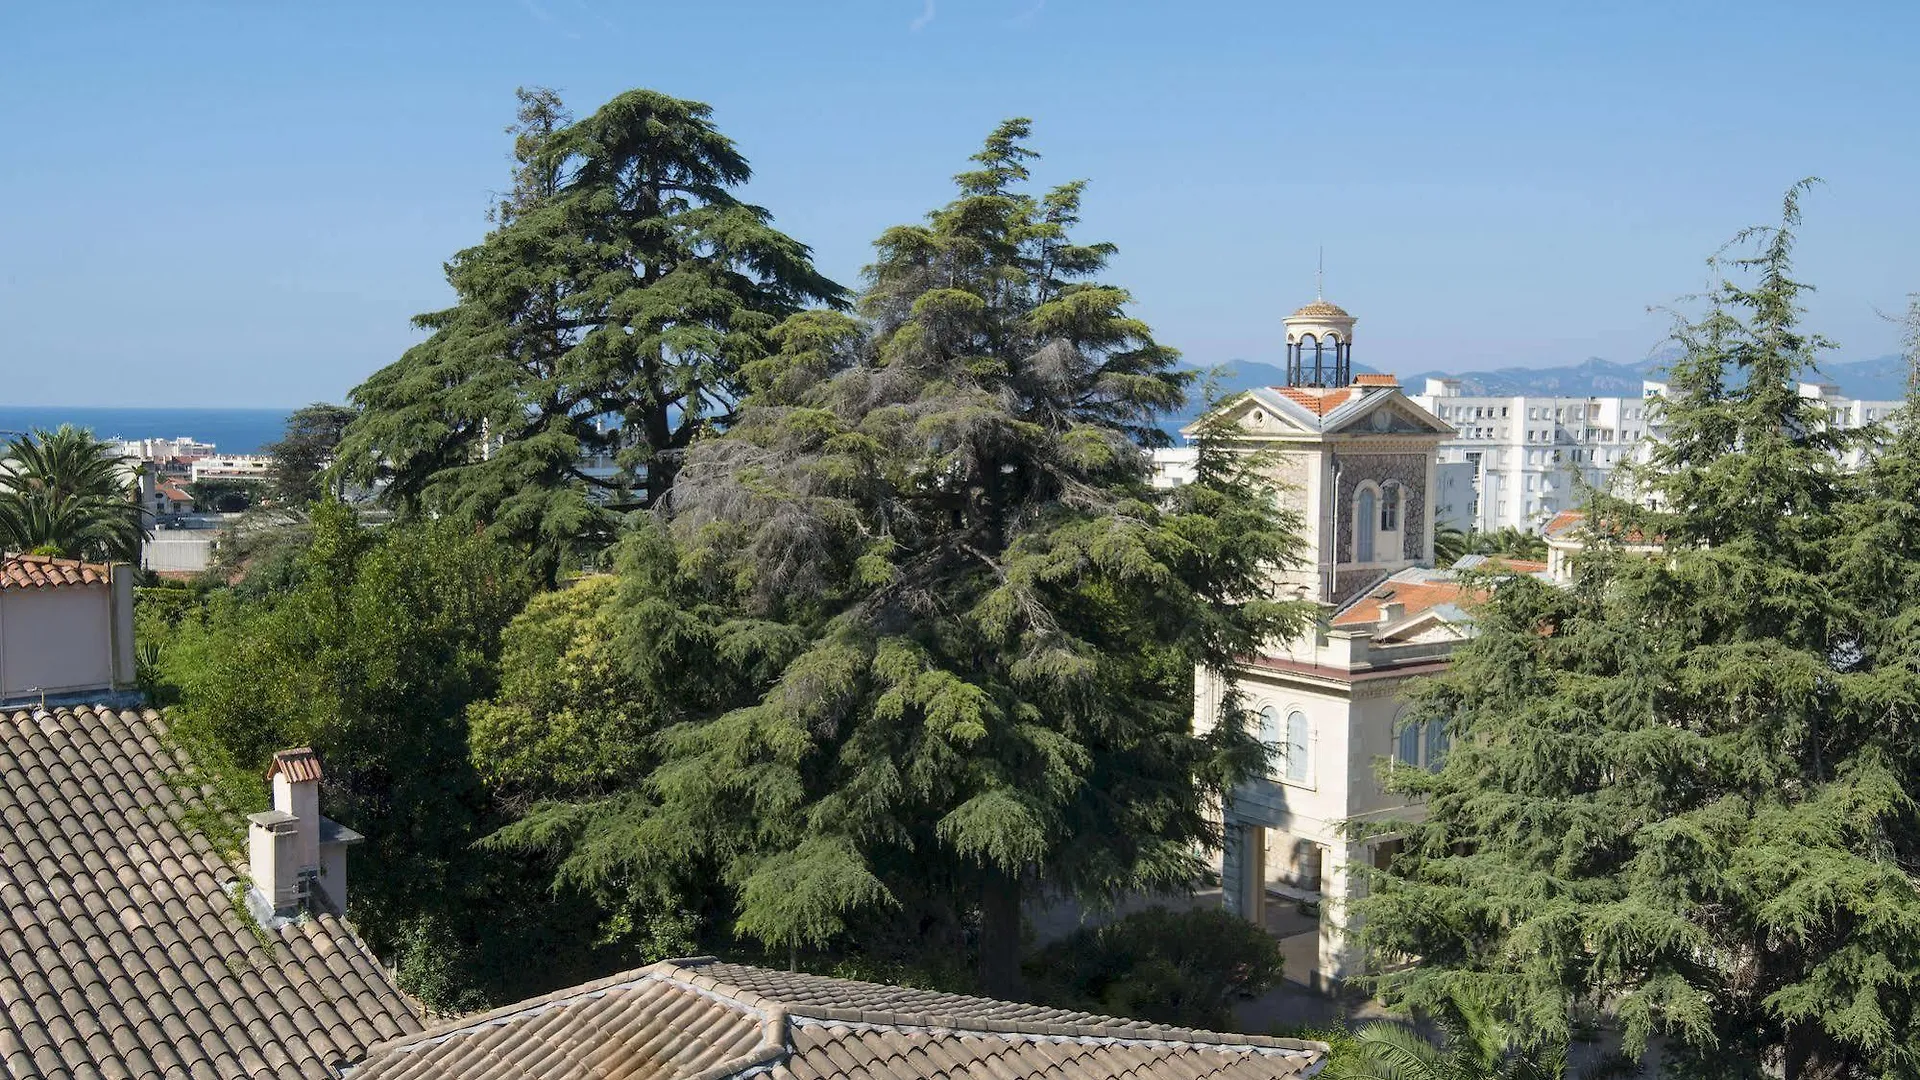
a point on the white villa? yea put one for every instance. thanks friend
(1357, 458)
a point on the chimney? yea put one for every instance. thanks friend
(1391, 611)
(298, 858)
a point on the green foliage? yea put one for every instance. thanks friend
(1473, 1046)
(1184, 968)
(223, 496)
(920, 633)
(66, 493)
(1681, 791)
(1506, 540)
(609, 313)
(304, 452)
(372, 655)
(569, 721)
(1450, 545)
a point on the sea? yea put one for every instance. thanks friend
(231, 431)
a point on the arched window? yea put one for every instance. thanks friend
(1437, 744)
(1297, 760)
(1406, 746)
(1390, 509)
(1270, 734)
(1363, 522)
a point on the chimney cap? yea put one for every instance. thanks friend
(268, 819)
(299, 764)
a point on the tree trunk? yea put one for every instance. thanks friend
(1000, 936)
(1812, 1055)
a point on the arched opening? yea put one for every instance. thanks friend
(1364, 521)
(1437, 744)
(1298, 764)
(1270, 734)
(1406, 743)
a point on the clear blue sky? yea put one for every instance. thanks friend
(243, 204)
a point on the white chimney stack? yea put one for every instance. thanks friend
(1391, 611)
(298, 858)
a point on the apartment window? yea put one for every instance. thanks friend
(1390, 510)
(1532, 482)
(1503, 412)
(1533, 413)
(1297, 759)
(1270, 730)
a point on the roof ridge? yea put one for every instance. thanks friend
(1095, 1026)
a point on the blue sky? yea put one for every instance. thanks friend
(243, 204)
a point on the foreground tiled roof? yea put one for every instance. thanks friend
(704, 1020)
(121, 954)
(45, 571)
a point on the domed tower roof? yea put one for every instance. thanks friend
(1321, 309)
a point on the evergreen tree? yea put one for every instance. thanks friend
(932, 632)
(607, 314)
(66, 493)
(1680, 792)
(304, 452)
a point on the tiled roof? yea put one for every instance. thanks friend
(1321, 309)
(704, 1020)
(45, 571)
(121, 953)
(1317, 400)
(1376, 380)
(300, 764)
(1564, 522)
(1415, 589)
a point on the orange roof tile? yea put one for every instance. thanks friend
(1412, 596)
(1316, 400)
(1563, 521)
(45, 571)
(1376, 380)
(299, 764)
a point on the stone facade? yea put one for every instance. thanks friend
(1407, 470)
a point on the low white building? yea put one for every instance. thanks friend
(252, 467)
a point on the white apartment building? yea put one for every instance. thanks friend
(232, 467)
(162, 449)
(1529, 457)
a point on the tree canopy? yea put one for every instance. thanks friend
(606, 316)
(64, 492)
(929, 632)
(305, 452)
(1681, 792)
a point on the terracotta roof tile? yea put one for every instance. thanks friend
(1412, 596)
(45, 571)
(704, 1020)
(120, 952)
(1376, 380)
(1316, 400)
(299, 764)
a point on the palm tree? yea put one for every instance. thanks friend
(1473, 1046)
(66, 493)
(1449, 545)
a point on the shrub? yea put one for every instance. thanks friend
(1183, 968)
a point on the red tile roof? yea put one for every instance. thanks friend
(1412, 596)
(45, 571)
(1376, 380)
(1316, 400)
(1564, 521)
(301, 764)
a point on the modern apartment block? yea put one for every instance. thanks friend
(1529, 457)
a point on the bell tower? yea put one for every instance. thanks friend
(1320, 346)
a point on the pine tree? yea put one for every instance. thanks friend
(1680, 791)
(607, 314)
(933, 629)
